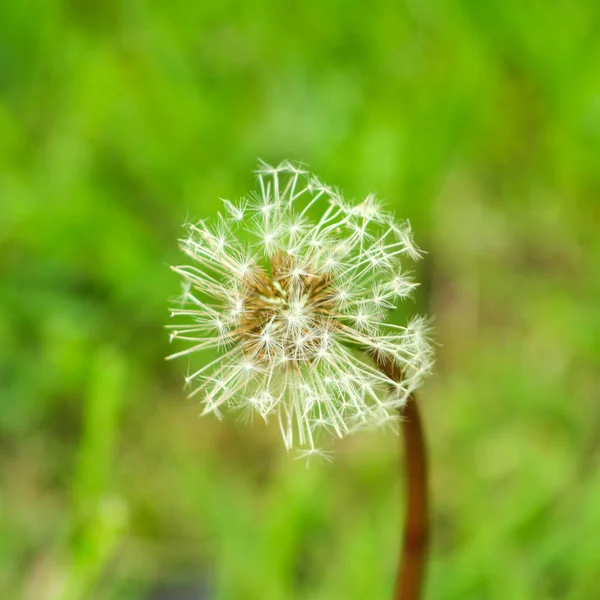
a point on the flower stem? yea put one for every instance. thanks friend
(416, 523)
(411, 569)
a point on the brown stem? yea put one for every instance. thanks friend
(411, 570)
(409, 581)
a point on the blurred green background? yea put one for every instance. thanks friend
(479, 121)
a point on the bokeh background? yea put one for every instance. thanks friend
(479, 121)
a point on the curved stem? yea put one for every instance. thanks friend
(409, 581)
(411, 570)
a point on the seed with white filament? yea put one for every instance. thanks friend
(296, 307)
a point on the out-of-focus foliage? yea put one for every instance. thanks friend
(479, 121)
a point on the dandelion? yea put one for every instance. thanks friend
(296, 308)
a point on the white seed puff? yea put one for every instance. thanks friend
(296, 306)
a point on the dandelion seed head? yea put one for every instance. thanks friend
(294, 314)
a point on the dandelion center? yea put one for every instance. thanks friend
(286, 313)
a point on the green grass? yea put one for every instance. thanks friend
(479, 121)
